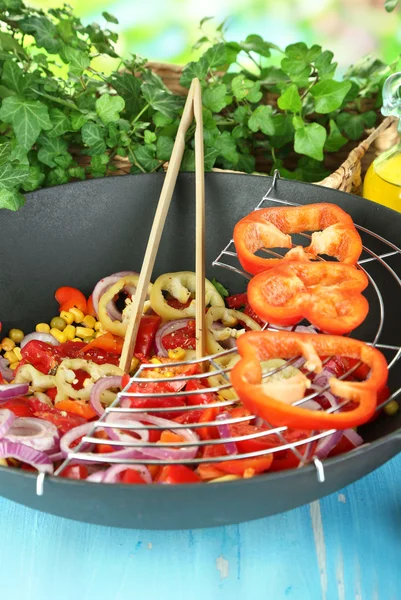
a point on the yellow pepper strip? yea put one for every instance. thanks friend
(180, 285)
(37, 380)
(229, 318)
(116, 327)
(226, 362)
(65, 376)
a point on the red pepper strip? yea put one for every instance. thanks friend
(270, 228)
(328, 294)
(90, 309)
(239, 466)
(172, 474)
(257, 346)
(107, 342)
(69, 297)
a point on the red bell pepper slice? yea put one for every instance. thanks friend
(173, 474)
(271, 228)
(107, 342)
(69, 297)
(257, 346)
(77, 407)
(75, 472)
(146, 334)
(328, 294)
(239, 466)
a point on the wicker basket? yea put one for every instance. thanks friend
(348, 165)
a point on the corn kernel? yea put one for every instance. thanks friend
(42, 328)
(78, 314)
(83, 332)
(18, 353)
(89, 321)
(155, 361)
(13, 366)
(134, 365)
(11, 357)
(69, 332)
(99, 334)
(59, 335)
(3, 462)
(76, 339)
(67, 316)
(7, 344)
(392, 408)
(177, 354)
(98, 326)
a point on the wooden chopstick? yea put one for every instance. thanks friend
(156, 232)
(200, 224)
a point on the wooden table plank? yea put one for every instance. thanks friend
(346, 547)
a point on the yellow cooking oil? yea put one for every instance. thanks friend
(382, 182)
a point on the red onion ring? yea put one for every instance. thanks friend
(111, 475)
(103, 384)
(325, 445)
(72, 435)
(126, 419)
(36, 433)
(37, 459)
(224, 433)
(103, 285)
(6, 419)
(96, 477)
(5, 371)
(353, 437)
(10, 390)
(166, 329)
(41, 337)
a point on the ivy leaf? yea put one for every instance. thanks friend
(334, 140)
(77, 60)
(60, 121)
(369, 118)
(246, 88)
(210, 158)
(109, 107)
(324, 66)
(197, 69)
(310, 170)
(5, 151)
(160, 120)
(28, 118)
(390, 5)
(283, 131)
(246, 162)
(99, 165)
(255, 43)
(34, 180)
(149, 137)
(110, 18)
(166, 103)
(164, 147)
(290, 99)
(8, 43)
(188, 161)
(214, 98)
(329, 95)
(77, 173)
(11, 177)
(241, 114)
(309, 140)
(78, 120)
(352, 125)
(146, 157)
(226, 147)
(129, 87)
(57, 176)
(12, 77)
(261, 120)
(222, 54)
(11, 199)
(93, 136)
(44, 32)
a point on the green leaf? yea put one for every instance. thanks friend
(329, 95)
(334, 140)
(34, 180)
(150, 137)
(99, 165)
(44, 32)
(220, 288)
(113, 135)
(64, 160)
(110, 18)
(283, 131)
(93, 136)
(129, 87)
(28, 118)
(390, 5)
(369, 118)
(11, 177)
(77, 173)
(11, 199)
(261, 120)
(210, 158)
(57, 176)
(60, 121)
(77, 60)
(205, 20)
(160, 120)
(214, 98)
(13, 77)
(310, 170)
(290, 99)
(197, 69)
(5, 151)
(66, 31)
(164, 147)
(324, 66)
(255, 43)
(220, 55)
(226, 147)
(241, 114)
(352, 125)
(188, 161)
(254, 94)
(146, 157)
(10, 44)
(246, 162)
(309, 140)
(109, 107)
(209, 122)
(162, 101)
(78, 120)
(246, 88)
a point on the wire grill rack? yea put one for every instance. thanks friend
(384, 252)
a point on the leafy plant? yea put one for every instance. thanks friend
(57, 108)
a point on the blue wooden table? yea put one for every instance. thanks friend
(345, 547)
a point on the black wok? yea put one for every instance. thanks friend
(74, 234)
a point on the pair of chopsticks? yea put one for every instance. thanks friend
(192, 109)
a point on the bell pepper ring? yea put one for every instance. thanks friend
(334, 234)
(229, 318)
(181, 286)
(328, 294)
(246, 378)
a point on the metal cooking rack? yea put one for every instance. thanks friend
(227, 259)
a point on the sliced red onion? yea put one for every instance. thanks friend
(40, 337)
(37, 459)
(225, 433)
(325, 445)
(11, 390)
(72, 435)
(112, 474)
(36, 433)
(5, 371)
(353, 437)
(103, 384)
(125, 419)
(6, 419)
(103, 285)
(96, 477)
(56, 456)
(166, 329)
